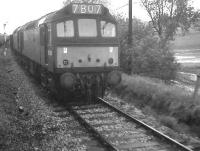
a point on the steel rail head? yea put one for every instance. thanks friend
(155, 132)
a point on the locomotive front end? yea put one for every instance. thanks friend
(74, 50)
(89, 60)
(87, 49)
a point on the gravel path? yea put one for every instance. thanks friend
(28, 122)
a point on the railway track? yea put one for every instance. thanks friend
(117, 130)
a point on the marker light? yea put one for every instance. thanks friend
(97, 60)
(80, 61)
(65, 50)
(110, 49)
(110, 60)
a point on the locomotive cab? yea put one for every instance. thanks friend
(86, 42)
(86, 48)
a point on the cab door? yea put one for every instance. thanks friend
(21, 41)
(47, 57)
(43, 44)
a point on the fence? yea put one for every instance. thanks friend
(196, 90)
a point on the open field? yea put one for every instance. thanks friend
(189, 60)
(189, 41)
(187, 52)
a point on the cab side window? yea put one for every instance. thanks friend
(65, 29)
(108, 29)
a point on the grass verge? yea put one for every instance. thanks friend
(172, 103)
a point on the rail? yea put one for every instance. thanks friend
(90, 128)
(154, 131)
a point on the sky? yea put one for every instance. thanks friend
(18, 12)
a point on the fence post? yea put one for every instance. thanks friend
(195, 95)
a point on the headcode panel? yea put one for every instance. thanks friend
(86, 9)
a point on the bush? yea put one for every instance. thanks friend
(196, 115)
(173, 103)
(147, 56)
(169, 121)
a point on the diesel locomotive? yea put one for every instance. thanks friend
(72, 50)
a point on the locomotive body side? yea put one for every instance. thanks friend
(15, 40)
(31, 48)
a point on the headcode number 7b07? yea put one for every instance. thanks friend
(86, 9)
